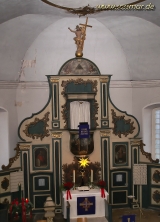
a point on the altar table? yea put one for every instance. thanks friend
(99, 203)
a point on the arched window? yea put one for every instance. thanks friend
(156, 133)
(151, 129)
(4, 143)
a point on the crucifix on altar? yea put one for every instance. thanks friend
(80, 37)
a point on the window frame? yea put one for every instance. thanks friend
(154, 134)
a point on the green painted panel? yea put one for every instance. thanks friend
(37, 128)
(57, 172)
(25, 174)
(144, 196)
(39, 200)
(105, 162)
(78, 88)
(135, 156)
(55, 101)
(121, 126)
(104, 101)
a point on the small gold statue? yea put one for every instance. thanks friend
(80, 37)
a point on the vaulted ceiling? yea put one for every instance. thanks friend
(125, 44)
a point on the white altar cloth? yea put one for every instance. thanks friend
(99, 202)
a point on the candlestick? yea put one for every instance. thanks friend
(91, 176)
(73, 176)
(19, 192)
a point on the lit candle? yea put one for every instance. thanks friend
(91, 176)
(73, 176)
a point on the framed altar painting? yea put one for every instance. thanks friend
(120, 154)
(84, 146)
(40, 156)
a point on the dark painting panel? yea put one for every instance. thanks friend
(120, 154)
(83, 146)
(40, 157)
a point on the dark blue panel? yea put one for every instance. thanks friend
(85, 205)
(126, 217)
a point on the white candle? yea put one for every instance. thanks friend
(91, 176)
(73, 176)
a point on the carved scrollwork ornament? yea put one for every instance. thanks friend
(11, 160)
(85, 10)
(5, 201)
(5, 183)
(156, 196)
(156, 176)
(148, 155)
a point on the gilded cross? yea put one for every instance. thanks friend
(85, 26)
(86, 204)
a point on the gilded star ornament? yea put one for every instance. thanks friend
(84, 162)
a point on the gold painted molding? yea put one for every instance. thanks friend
(57, 135)
(24, 146)
(106, 79)
(105, 133)
(135, 142)
(54, 80)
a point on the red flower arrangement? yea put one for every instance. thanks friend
(102, 185)
(67, 186)
(19, 209)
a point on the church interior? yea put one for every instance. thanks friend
(80, 110)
